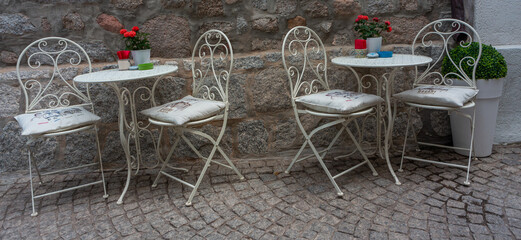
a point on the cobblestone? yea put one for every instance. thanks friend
(431, 203)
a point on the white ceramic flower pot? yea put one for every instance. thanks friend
(487, 103)
(374, 44)
(141, 56)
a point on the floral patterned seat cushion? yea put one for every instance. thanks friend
(339, 101)
(54, 120)
(185, 110)
(438, 95)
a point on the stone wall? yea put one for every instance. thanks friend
(261, 124)
(261, 121)
(175, 25)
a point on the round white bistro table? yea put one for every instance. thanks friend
(135, 128)
(386, 84)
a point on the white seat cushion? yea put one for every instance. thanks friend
(339, 101)
(184, 110)
(438, 95)
(55, 119)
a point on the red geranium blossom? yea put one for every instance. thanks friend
(135, 39)
(135, 28)
(387, 23)
(376, 19)
(126, 34)
(131, 34)
(389, 29)
(122, 31)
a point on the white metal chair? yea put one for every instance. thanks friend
(212, 63)
(305, 62)
(55, 106)
(430, 84)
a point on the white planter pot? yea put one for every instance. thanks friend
(374, 44)
(487, 103)
(141, 56)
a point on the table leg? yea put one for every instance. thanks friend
(390, 119)
(123, 99)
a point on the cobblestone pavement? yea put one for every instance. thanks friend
(431, 203)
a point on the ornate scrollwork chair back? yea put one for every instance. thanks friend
(305, 62)
(447, 32)
(55, 55)
(212, 64)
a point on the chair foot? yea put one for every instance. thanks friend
(286, 172)
(242, 178)
(34, 214)
(154, 185)
(375, 174)
(400, 170)
(188, 204)
(105, 196)
(119, 202)
(398, 183)
(466, 182)
(340, 194)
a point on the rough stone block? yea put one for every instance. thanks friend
(270, 90)
(109, 23)
(8, 57)
(127, 4)
(15, 24)
(72, 21)
(251, 62)
(253, 137)
(225, 27)
(296, 21)
(315, 9)
(174, 3)
(237, 96)
(346, 8)
(210, 8)
(171, 36)
(378, 7)
(266, 24)
(9, 100)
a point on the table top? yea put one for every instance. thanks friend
(114, 75)
(398, 60)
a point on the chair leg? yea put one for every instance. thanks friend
(360, 150)
(405, 140)
(105, 195)
(40, 179)
(241, 177)
(296, 156)
(165, 162)
(31, 181)
(201, 176)
(338, 191)
(472, 122)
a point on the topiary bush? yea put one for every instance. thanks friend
(492, 64)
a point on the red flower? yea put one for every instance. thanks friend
(387, 23)
(366, 17)
(131, 34)
(122, 31)
(135, 28)
(389, 29)
(376, 19)
(126, 34)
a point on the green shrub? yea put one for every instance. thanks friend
(492, 64)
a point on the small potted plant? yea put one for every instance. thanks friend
(138, 43)
(371, 30)
(491, 70)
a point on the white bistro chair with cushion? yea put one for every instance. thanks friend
(55, 106)
(212, 63)
(305, 62)
(434, 90)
